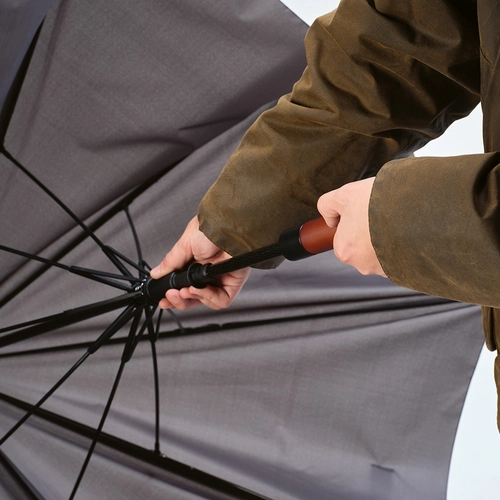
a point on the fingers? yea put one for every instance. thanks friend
(329, 206)
(220, 297)
(347, 209)
(173, 300)
(193, 245)
(175, 259)
(214, 297)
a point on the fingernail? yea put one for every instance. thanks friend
(155, 271)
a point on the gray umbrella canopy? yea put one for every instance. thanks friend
(316, 383)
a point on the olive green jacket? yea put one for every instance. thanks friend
(383, 78)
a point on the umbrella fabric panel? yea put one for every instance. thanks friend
(19, 22)
(51, 458)
(322, 412)
(301, 409)
(133, 87)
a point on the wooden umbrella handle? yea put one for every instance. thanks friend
(316, 236)
(311, 238)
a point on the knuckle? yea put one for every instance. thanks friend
(342, 195)
(343, 254)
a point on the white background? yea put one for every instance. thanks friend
(475, 470)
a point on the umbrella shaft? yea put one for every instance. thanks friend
(311, 238)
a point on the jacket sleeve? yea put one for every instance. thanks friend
(434, 226)
(383, 78)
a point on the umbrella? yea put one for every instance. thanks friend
(316, 383)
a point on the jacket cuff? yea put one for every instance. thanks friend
(433, 224)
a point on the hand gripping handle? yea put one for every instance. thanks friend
(311, 238)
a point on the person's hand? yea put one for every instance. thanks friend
(194, 245)
(347, 209)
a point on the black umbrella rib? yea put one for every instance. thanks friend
(130, 344)
(156, 379)
(95, 273)
(94, 226)
(119, 340)
(153, 337)
(91, 274)
(116, 325)
(70, 317)
(116, 253)
(47, 395)
(98, 431)
(28, 490)
(134, 235)
(59, 202)
(177, 473)
(224, 327)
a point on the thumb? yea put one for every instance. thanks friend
(175, 259)
(180, 254)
